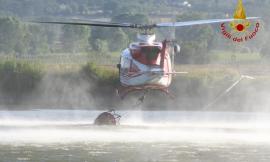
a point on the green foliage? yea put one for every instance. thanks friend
(138, 18)
(195, 41)
(37, 8)
(117, 7)
(11, 35)
(234, 57)
(104, 39)
(193, 52)
(36, 41)
(102, 75)
(18, 38)
(265, 51)
(116, 38)
(75, 38)
(119, 40)
(101, 46)
(19, 77)
(24, 38)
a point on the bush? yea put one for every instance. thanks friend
(19, 77)
(103, 75)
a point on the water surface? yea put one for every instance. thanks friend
(68, 135)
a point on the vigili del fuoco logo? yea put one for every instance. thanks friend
(240, 29)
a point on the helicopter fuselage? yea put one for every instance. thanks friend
(145, 65)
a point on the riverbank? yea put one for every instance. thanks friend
(90, 86)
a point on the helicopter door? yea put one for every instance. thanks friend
(125, 65)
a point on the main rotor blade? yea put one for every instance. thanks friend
(198, 22)
(140, 26)
(91, 23)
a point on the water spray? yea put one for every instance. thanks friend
(228, 90)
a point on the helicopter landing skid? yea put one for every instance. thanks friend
(122, 92)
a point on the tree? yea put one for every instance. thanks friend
(195, 41)
(116, 38)
(75, 38)
(111, 6)
(36, 39)
(137, 18)
(118, 41)
(131, 18)
(12, 34)
(265, 51)
(100, 46)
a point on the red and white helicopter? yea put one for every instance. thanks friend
(146, 64)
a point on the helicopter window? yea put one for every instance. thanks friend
(148, 55)
(151, 53)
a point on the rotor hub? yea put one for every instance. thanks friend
(146, 38)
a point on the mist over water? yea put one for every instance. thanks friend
(56, 134)
(51, 135)
(69, 126)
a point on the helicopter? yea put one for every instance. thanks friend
(146, 64)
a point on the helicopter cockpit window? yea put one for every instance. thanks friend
(151, 53)
(147, 55)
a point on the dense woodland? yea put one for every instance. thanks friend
(19, 37)
(63, 65)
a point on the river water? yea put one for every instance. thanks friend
(143, 136)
